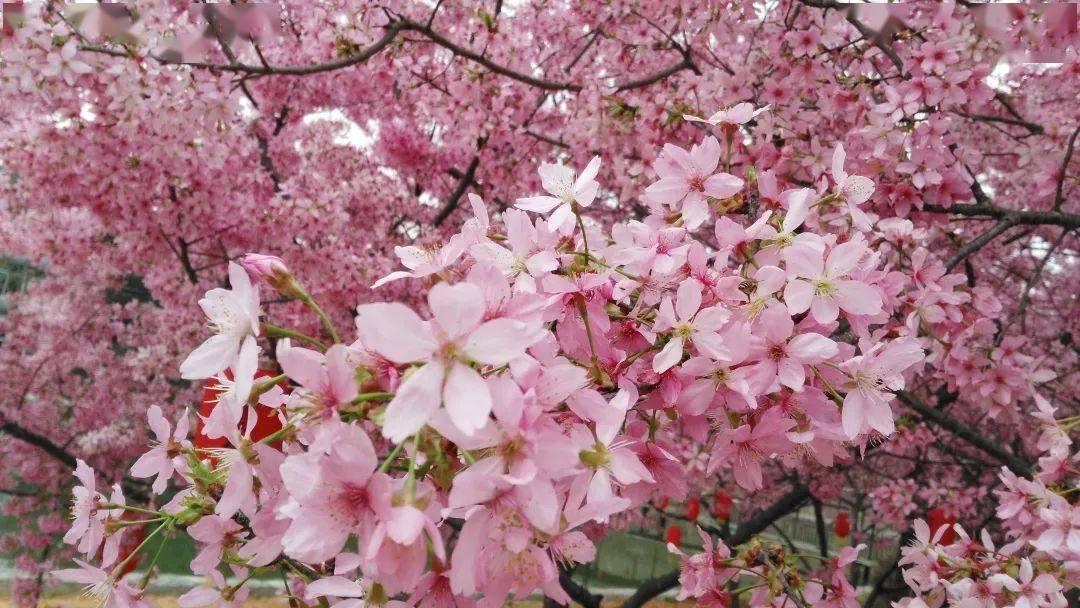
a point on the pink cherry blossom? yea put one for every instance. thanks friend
(446, 378)
(819, 284)
(160, 461)
(689, 177)
(564, 192)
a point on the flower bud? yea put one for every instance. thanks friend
(273, 271)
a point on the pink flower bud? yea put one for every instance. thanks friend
(273, 271)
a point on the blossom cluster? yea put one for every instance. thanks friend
(944, 565)
(460, 449)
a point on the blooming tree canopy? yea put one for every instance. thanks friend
(761, 254)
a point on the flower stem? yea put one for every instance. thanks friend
(150, 568)
(110, 505)
(362, 397)
(283, 332)
(327, 323)
(385, 466)
(120, 567)
(581, 225)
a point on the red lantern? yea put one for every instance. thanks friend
(722, 504)
(842, 525)
(693, 509)
(938, 518)
(674, 535)
(267, 424)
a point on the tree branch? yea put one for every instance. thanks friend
(746, 530)
(967, 433)
(979, 242)
(1019, 122)
(39, 441)
(459, 191)
(1059, 193)
(393, 29)
(990, 211)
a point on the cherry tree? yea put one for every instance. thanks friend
(467, 286)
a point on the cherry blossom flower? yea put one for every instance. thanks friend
(819, 284)
(688, 321)
(785, 353)
(737, 114)
(445, 345)
(341, 587)
(689, 177)
(853, 190)
(326, 380)
(217, 593)
(564, 192)
(747, 446)
(99, 585)
(332, 495)
(63, 63)
(234, 316)
(424, 261)
(874, 375)
(86, 527)
(161, 460)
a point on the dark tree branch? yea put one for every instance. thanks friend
(979, 242)
(746, 530)
(1025, 297)
(455, 197)
(1019, 122)
(966, 432)
(39, 441)
(393, 29)
(1027, 218)
(874, 37)
(577, 592)
(1059, 193)
(819, 524)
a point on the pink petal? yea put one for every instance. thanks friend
(843, 258)
(723, 185)
(538, 204)
(416, 399)
(825, 309)
(811, 348)
(466, 555)
(497, 342)
(797, 295)
(706, 155)
(467, 398)
(338, 586)
(669, 356)
(688, 299)
(341, 373)
(668, 190)
(458, 308)
(209, 358)
(304, 366)
(858, 298)
(395, 332)
(405, 524)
